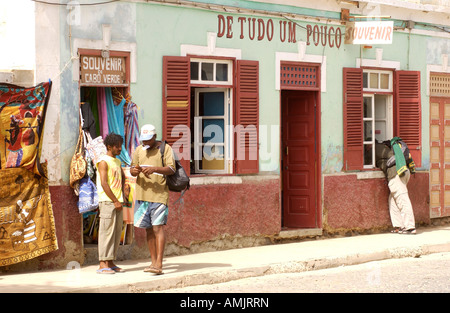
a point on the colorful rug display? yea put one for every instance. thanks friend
(27, 227)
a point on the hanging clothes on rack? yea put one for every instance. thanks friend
(131, 127)
(94, 108)
(102, 111)
(114, 115)
(89, 119)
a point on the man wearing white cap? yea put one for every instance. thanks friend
(152, 193)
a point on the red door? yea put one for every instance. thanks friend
(299, 159)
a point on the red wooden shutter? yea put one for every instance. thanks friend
(408, 111)
(176, 107)
(353, 119)
(247, 117)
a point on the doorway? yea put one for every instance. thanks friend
(300, 137)
(439, 157)
(103, 111)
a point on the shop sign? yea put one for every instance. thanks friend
(260, 29)
(255, 29)
(324, 35)
(377, 32)
(96, 70)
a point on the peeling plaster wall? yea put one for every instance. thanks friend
(210, 212)
(362, 204)
(48, 67)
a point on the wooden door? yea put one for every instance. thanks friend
(439, 157)
(299, 159)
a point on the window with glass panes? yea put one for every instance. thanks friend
(211, 113)
(377, 111)
(378, 105)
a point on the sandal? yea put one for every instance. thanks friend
(411, 231)
(397, 230)
(118, 269)
(154, 270)
(105, 270)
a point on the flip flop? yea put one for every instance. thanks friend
(118, 269)
(153, 270)
(411, 231)
(105, 270)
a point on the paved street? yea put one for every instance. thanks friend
(425, 274)
(420, 263)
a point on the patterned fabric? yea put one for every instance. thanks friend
(88, 196)
(148, 214)
(27, 226)
(128, 196)
(22, 112)
(131, 127)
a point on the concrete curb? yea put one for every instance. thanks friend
(286, 267)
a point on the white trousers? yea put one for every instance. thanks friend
(400, 207)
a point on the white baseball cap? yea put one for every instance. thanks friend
(147, 132)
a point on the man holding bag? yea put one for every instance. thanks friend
(110, 181)
(394, 159)
(152, 192)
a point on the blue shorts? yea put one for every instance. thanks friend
(148, 214)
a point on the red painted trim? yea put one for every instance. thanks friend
(297, 82)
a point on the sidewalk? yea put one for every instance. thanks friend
(222, 266)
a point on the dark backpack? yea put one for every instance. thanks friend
(179, 181)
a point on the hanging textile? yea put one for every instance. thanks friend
(27, 226)
(22, 114)
(89, 119)
(115, 122)
(102, 112)
(129, 195)
(131, 127)
(94, 108)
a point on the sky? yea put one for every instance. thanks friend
(17, 46)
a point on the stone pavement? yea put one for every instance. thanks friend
(222, 266)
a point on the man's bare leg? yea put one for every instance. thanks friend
(160, 241)
(156, 243)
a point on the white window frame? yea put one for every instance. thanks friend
(215, 62)
(228, 132)
(379, 72)
(372, 93)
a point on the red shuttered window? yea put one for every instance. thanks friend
(353, 119)
(406, 121)
(247, 117)
(408, 111)
(176, 107)
(177, 110)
